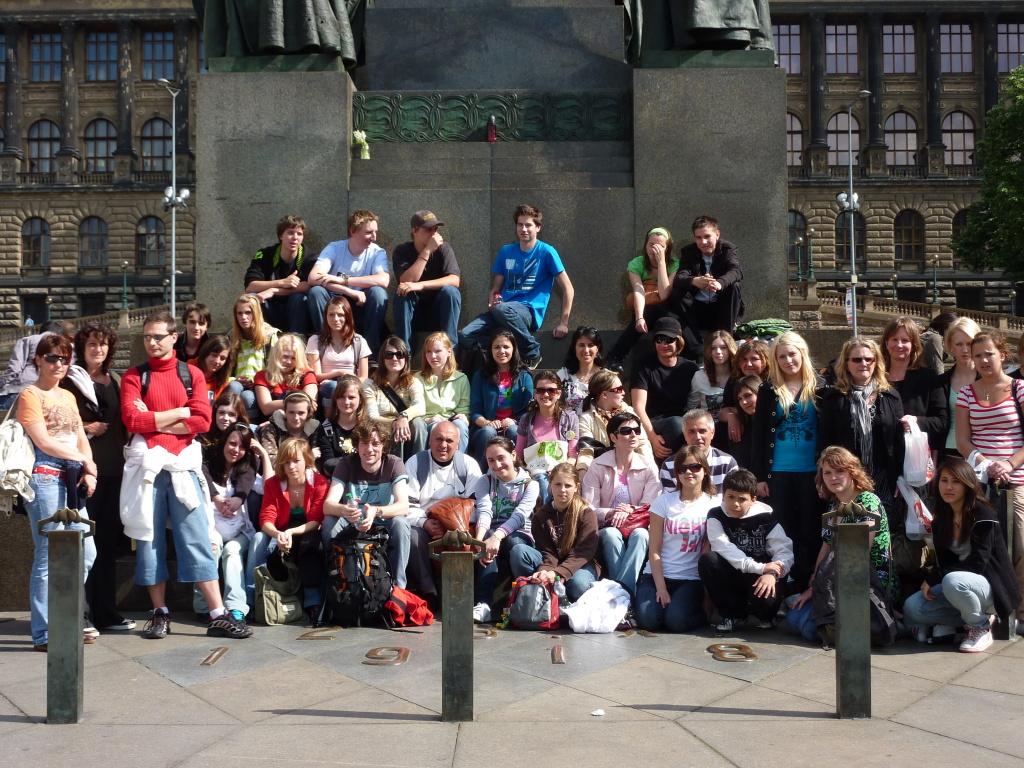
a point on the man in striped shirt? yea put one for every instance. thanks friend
(699, 429)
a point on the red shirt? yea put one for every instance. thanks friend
(278, 391)
(165, 392)
(277, 509)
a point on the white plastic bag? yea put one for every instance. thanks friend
(600, 609)
(917, 456)
(919, 518)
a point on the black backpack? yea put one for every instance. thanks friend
(358, 581)
(183, 373)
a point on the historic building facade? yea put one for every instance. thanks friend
(933, 69)
(85, 155)
(86, 144)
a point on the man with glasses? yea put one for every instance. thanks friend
(427, 297)
(164, 404)
(522, 277)
(699, 430)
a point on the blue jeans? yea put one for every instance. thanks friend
(399, 542)
(191, 531)
(436, 310)
(963, 597)
(478, 437)
(369, 317)
(524, 560)
(417, 441)
(233, 555)
(624, 558)
(460, 424)
(51, 495)
(326, 393)
(289, 313)
(685, 612)
(514, 316)
(249, 398)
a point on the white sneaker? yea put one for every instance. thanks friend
(481, 613)
(942, 633)
(978, 639)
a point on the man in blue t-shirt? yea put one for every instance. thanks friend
(356, 268)
(521, 281)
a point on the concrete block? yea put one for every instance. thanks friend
(269, 143)
(495, 47)
(713, 141)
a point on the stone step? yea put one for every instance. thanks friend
(497, 46)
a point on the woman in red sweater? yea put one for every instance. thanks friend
(290, 519)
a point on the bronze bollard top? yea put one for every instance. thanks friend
(455, 541)
(850, 509)
(67, 516)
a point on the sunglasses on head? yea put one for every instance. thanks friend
(659, 339)
(53, 359)
(627, 431)
(691, 468)
(394, 354)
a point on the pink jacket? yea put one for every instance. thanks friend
(599, 484)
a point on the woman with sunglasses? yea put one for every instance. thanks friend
(64, 474)
(972, 578)
(582, 360)
(97, 392)
(547, 420)
(670, 593)
(394, 399)
(785, 447)
(499, 395)
(606, 399)
(337, 350)
(618, 484)
(661, 388)
(863, 414)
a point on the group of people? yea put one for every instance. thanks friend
(701, 493)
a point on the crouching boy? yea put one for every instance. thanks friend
(750, 553)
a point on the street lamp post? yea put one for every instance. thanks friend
(798, 244)
(166, 285)
(173, 197)
(810, 255)
(895, 277)
(935, 280)
(124, 285)
(848, 202)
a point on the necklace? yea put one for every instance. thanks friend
(993, 391)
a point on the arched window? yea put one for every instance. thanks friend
(43, 146)
(908, 236)
(843, 240)
(900, 139)
(149, 242)
(156, 145)
(958, 136)
(794, 140)
(838, 136)
(797, 241)
(92, 242)
(100, 144)
(35, 243)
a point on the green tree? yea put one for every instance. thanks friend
(994, 235)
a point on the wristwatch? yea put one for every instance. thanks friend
(344, 278)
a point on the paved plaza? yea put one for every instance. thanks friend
(278, 700)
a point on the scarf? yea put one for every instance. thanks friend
(860, 420)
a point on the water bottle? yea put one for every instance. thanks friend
(559, 588)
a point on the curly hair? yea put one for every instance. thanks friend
(839, 458)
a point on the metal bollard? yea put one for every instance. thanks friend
(65, 662)
(457, 625)
(853, 621)
(1006, 627)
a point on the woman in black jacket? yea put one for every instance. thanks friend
(333, 438)
(919, 387)
(973, 578)
(863, 414)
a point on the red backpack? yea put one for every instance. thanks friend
(406, 609)
(532, 605)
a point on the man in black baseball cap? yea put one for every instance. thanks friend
(427, 297)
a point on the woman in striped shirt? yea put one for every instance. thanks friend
(990, 421)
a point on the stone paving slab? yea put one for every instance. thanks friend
(995, 673)
(940, 663)
(360, 705)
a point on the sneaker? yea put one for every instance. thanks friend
(727, 625)
(88, 630)
(921, 634)
(628, 621)
(978, 639)
(943, 633)
(481, 613)
(124, 625)
(757, 623)
(237, 615)
(227, 625)
(532, 363)
(157, 627)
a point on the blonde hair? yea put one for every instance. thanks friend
(573, 512)
(963, 324)
(808, 378)
(260, 338)
(843, 381)
(450, 366)
(275, 375)
(292, 448)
